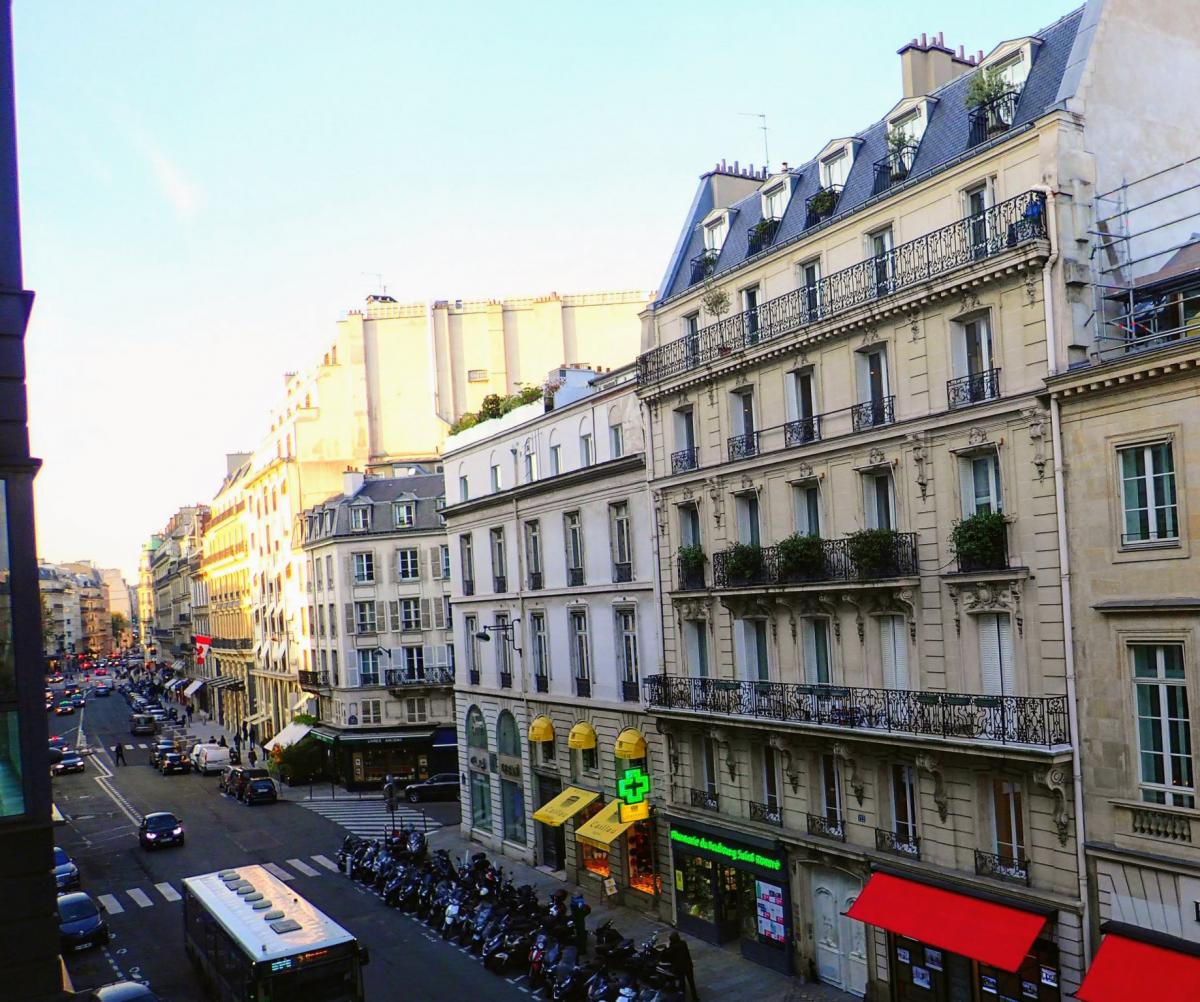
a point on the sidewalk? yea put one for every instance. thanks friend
(721, 972)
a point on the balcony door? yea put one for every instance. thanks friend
(747, 519)
(873, 388)
(752, 654)
(978, 200)
(996, 665)
(893, 645)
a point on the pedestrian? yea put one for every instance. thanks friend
(580, 910)
(680, 958)
(253, 757)
(189, 713)
(243, 730)
(223, 743)
(119, 753)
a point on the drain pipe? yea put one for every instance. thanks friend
(1064, 564)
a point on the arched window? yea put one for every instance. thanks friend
(508, 738)
(477, 763)
(476, 728)
(512, 793)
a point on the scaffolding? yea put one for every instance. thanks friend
(1145, 245)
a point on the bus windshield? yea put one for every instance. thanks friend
(335, 982)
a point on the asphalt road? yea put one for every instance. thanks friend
(407, 961)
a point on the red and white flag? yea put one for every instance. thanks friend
(203, 646)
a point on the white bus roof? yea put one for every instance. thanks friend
(263, 914)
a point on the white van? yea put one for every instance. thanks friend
(209, 758)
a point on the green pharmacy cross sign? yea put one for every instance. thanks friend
(633, 786)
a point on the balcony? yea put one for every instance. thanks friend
(535, 580)
(691, 569)
(803, 431)
(991, 119)
(684, 461)
(824, 827)
(877, 554)
(1002, 867)
(468, 586)
(575, 576)
(743, 446)
(703, 265)
(505, 679)
(997, 230)
(762, 235)
(981, 543)
(541, 683)
(973, 389)
(873, 413)
(893, 168)
(631, 692)
(821, 204)
(622, 571)
(908, 846)
(767, 813)
(583, 687)
(313, 680)
(499, 584)
(473, 676)
(705, 800)
(402, 678)
(1028, 721)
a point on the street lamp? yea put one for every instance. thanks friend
(506, 630)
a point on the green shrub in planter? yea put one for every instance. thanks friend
(873, 552)
(979, 541)
(743, 563)
(801, 558)
(985, 87)
(691, 562)
(823, 202)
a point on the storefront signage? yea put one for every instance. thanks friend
(728, 851)
(510, 768)
(633, 787)
(477, 759)
(771, 922)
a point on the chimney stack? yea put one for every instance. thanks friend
(927, 65)
(352, 481)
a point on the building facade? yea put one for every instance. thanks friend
(554, 615)
(95, 619)
(146, 597)
(119, 604)
(380, 667)
(60, 593)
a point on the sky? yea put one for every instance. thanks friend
(207, 188)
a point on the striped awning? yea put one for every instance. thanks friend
(223, 682)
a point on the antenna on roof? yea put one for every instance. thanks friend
(766, 153)
(379, 278)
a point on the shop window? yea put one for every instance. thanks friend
(12, 798)
(594, 860)
(547, 751)
(639, 853)
(696, 897)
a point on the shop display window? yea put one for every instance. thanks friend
(481, 801)
(12, 797)
(639, 853)
(694, 880)
(594, 860)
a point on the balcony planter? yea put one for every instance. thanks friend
(980, 542)
(801, 558)
(873, 552)
(823, 202)
(691, 561)
(743, 563)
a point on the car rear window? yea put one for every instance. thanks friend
(79, 908)
(261, 784)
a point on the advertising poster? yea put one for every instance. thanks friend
(772, 923)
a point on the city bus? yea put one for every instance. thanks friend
(251, 938)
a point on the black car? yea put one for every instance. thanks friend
(259, 791)
(80, 923)
(66, 873)
(159, 829)
(70, 762)
(441, 786)
(171, 762)
(160, 749)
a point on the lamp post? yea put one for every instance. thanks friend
(506, 630)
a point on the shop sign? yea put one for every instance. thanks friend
(738, 855)
(772, 924)
(633, 787)
(610, 886)
(477, 759)
(510, 768)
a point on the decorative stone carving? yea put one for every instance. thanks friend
(988, 596)
(660, 512)
(1055, 780)
(859, 624)
(970, 300)
(1037, 435)
(920, 446)
(791, 768)
(689, 494)
(1030, 287)
(914, 322)
(933, 765)
(692, 607)
(801, 358)
(713, 486)
(977, 436)
(712, 392)
(804, 471)
(842, 750)
(876, 457)
(870, 333)
(747, 482)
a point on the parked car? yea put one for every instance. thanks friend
(238, 776)
(162, 747)
(260, 791)
(64, 709)
(121, 991)
(441, 786)
(159, 829)
(141, 723)
(212, 758)
(171, 762)
(66, 873)
(80, 923)
(70, 762)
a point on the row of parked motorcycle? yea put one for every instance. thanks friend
(472, 903)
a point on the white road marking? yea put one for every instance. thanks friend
(278, 871)
(167, 891)
(326, 862)
(303, 867)
(142, 744)
(110, 904)
(139, 897)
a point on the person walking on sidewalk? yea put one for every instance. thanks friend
(119, 754)
(680, 958)
(253, 758)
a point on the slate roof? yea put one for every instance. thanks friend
(424, 489)
(945, 141)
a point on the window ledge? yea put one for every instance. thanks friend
(1001, 574)
(1149, 605)
(1150, 544)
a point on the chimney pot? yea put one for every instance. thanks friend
(960, 53)
(923, 42)
(979, 56)
(941, 39)
(785, 166)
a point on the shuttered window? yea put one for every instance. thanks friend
(893, 644)
(996, 653)
(816, 651)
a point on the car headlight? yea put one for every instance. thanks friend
(151, 835)
(178, 830)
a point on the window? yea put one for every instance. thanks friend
(1164, 725)
(880, 247)
(620, 541)
(627, 644)
(466, 554)
(801, 407)
(364, 617)
(691, 337)
(320, 620)
(403, 514)
(904, 804)
(317, 574)
(410, 614)
(893, 646)
(499, 560)
(364, 568)
(1148, 493)
(816, 650)
(332, 622)
(360, 518)
(573, 532)
(980, 485)
(463, 493)
(879, 501)
(807, 503)
(540, 646)
(746, 508)
(775, 200)
(581, 654)
(333, 665)
(997, 671)
(742, 405)
(874, 399)
(533, 553)
(1008, 822)
(585, 450)
(810, 282)
(831, 790)
(372, 711)
(555, 460)
(750, 308)
(685, 437)
(329, 569)
(415, 710)
(368, 666)
(530, 458)
(616, 441)
(835, 169)
(413, 662)
(503, 648)
(470, 628)
(714, 235)
(689, 525)
(477, 375)
(708, 765)
(496, 478)
(1013, 70)
(443, 560)
(770, 778)
(695, 632)
(407, 565)
(752, 650)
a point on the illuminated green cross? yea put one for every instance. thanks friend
(633, 786)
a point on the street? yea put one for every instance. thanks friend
(140, 890)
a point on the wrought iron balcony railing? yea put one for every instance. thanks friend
(706, 800)
(761, 235)
(468, 586)
(1038, 721)
(988, 553)
(821, 204)
(506, 680)
(398, 678)
(631, 691)
(973, 389)
(574, 576)
(1002, 867)
(743, 446)
(684, 460)
(898, 843)
(825, 827)
(541, 683)
(873, 413)
(743, 566)
(893, 168)
(473, 676)
(583, 686)
(499, 583)
(771, 814)
(802, 431)
(535, 580)
(691, 575)
(313, 679)
(998, 229)
(622, 571)
(992, 118)
(703, 265)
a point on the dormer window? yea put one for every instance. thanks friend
(328, 521)
(775, 199)
(1013, 70)
(360, 518)
(835, 169)
(714, 235)
(403, 513)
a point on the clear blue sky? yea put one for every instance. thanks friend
(205, 186)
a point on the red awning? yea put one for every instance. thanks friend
(1125, 969)
(990, 933)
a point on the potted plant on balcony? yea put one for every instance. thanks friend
(691, 564)
(801, 558)
(761, 233)
(873, 553)
(979, 542)
(823, 203)
(987, 90)
(900, 153)
(743, 563)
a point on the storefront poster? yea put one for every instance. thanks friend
(933, 958)
(771, 921)
(920, 976)
(1049, 977)
(902, 955)
(988, 984)
(1029, 990)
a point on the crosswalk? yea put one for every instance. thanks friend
(367, 818)
(133, 899)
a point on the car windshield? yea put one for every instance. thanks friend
(262, 784)
(161, 822)
(60, 857)
(73, 910)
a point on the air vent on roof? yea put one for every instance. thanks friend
(260, 906)
(256, 896)
(286, 925)
(272, 916)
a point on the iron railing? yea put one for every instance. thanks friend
(991, 557)
(631, 691)
(992, 118)
(908, 846)
(499, 583)
(743, 446)
(399, 678)
(691, 576)
(742, 567)
(684, 460)
(574, 576)
(583, 686)
(762, 235)
(622, 571)
(1002, 867)
(1039, 721)
(997, 229)
(703, 265)
(973, 389)
(541, 683)
(771, 814)
(506, 680)
(821, 204)
(468, 586)
(535, 580)
(313, 679)
(873, 413)
(704, 799)
(819, 824)
(893, 168)
(802, 431)
(473, 676)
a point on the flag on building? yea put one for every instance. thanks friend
(203, 646)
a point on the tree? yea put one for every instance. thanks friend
(119, 625)
(49, 642)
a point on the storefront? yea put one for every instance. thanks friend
(478, 767)
(549, 834)
(730, 885)
(366, 758)
(944, 946)
(510, 767)
(553, 814)
(1137, 963)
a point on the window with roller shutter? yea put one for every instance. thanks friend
(996, 665)
(893, 645)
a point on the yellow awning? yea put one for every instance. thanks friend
(542, 729)
(566, 805)
(630, 744)
(604, 828)
(583, 735)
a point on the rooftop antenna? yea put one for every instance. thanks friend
(379, 280)
(762, 118)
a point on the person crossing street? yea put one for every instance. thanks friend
(119, 754)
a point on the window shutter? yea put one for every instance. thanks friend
(352, 670)
(989, 653)
(967, 481)
(740, 653)
(350, 619)
(872, 510)
(959, 346)
(427, 652)
(396, 564)
(439, 613)
(426, 615)
(887, 647)
(380, 616)
(435, 563)
(1007, 666)
(394, 616)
